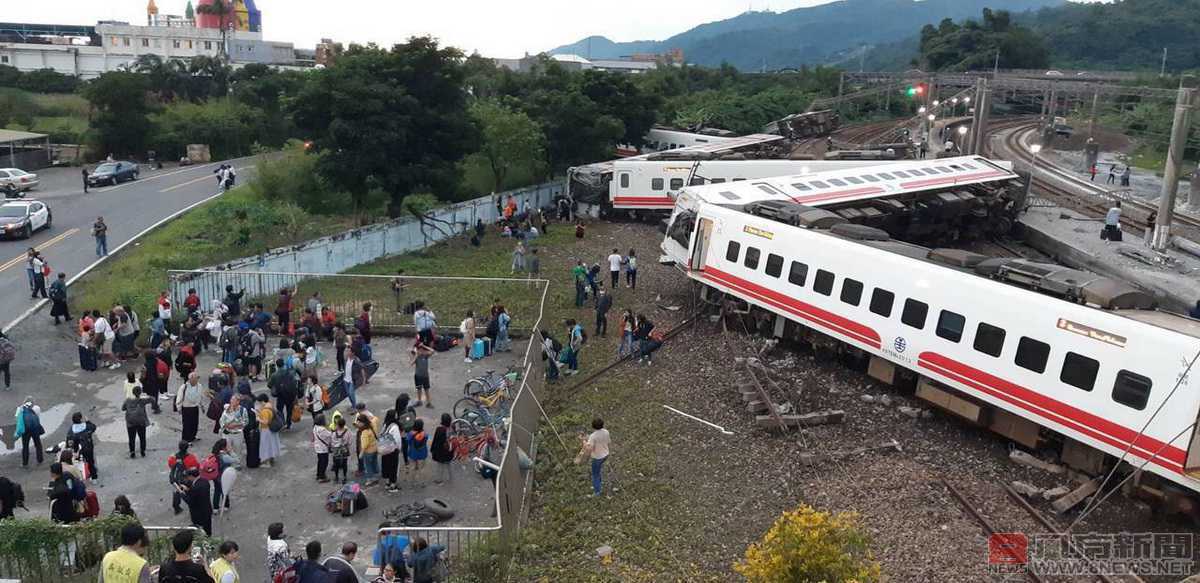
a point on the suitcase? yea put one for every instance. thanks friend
(337, 392)
(477, 349)
(487, 346)
(91, 505)
(88, 358)
(252, 459)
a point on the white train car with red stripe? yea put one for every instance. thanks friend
(1064, 358)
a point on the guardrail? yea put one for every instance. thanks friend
(75, 557)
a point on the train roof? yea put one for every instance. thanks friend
(717, 147)
(847, 185)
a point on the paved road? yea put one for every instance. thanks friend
(128, 209)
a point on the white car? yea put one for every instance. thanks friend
(14, 181)
(19, 219)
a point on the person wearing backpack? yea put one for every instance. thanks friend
(270, 423)
(339, 450)
(82, 434)
(177, 468)
(181, 568)
(136, 420)
(62, 495)
(418, 445)
(389, 449)
(8, 353)
(229, 341)
(29, 428)
(316, 398)
(569, 355)
(284, 386)
(440, 450)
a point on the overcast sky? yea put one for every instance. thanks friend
(495, 29)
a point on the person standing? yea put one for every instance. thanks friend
(467, 328)
(339, 450)
(614, 268)
(440, 450)
(1112, 174)
(533, 265)
(368, 450)
(1126, 175)
(84, 173)
(82, 434)
(127, 564)
(398, 286)
(187, 402)
(425, 321)
(518, 258)
(342, 566)
(100, 233)
(424, 559)
(579, 273)
(178, 465)
(420, 362)
(39, 275)
(29, 255)
(353, 377)
(278, 555)
(1092, 171)
(284, 310)
(60, 493)
(136, 420)
(596, 446)
(502, 322)
(224, 568)
(570, 352)
(322, 443)
(8, 353)
(363, 323)
(268, 444)
(181, 568)
(285, 386)
(105, 335)
(389, 449)
(603, 305)
(58, 295)
(631, 270)
(29, 428)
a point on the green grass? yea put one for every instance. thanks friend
(233, 226)
(62, 104)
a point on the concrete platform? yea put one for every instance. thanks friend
(1075, 241)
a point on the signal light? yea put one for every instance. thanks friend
(915, 90)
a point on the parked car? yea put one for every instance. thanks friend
(14, 181)
(20, 218)
(113, 173)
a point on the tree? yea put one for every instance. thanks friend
(617, 96)
(955, 47)
(394, 120)
(509, 139)
(121, 108)
(168, 78)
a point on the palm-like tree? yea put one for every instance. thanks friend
(167, 77)
(224, 11)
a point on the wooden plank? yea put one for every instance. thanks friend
(774, 415)
(1075, 497)
(807, 419)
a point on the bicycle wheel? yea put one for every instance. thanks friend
(464, 428)
(420, 518)
(463, 405)
(477, 416)
(476, 387)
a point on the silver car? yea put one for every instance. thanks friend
(14, 181)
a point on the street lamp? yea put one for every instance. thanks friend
(1035, 148)
(962, 136)
(936, 102)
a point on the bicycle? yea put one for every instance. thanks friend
(489, 383)
(476, 418)
(467, 446)
(497, 400)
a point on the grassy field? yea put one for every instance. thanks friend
(233, 226)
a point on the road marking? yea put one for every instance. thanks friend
(195, 180)
(42, 247)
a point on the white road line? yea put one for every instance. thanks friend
(42, 247)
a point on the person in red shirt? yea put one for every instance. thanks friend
(188, 461)
(192, 302)
(328, 321)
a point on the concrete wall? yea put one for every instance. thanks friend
(337, 253)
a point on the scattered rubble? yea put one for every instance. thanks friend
(1026, 459)
(913, 412)
(812, 458)
(1025, 489)
(1055, 492)
(1076, 496)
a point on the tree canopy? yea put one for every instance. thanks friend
(974, 45)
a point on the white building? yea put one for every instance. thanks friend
(578, 63)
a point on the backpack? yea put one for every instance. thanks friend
(210, 468)
(582, 336)
(407, 419)
(178, 471)
(8, 351)
(324, 395)
(276, 423)
(58, 293)
(493, 327)
(340, 450)
(229, 338)
(33, 424)
(91, 505)
(246, 344)
(287, 575)
(657, 335)
(78, 489)
(217, 382)
(387, 443)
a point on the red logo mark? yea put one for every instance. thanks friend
(1008, 548)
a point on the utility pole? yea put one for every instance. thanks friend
(1092, 119)
(996, 65)
(1162, 72)
(1166, 200)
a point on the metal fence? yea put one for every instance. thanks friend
(77, 558)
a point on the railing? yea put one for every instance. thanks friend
(73, 555)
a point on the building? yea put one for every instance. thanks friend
(578, 63)
(110, 45)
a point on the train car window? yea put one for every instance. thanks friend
(800, 186)
(853, 180)
(624, 180)
(681, 230)
(823, 283)
(729, 195)
(656, 184)
(870, 178)
(1032, 354)
(774, 265)
(1131, 390)
(950, 325)
(914, 313)
(956, 166)
(731, 254)
(851, 291)
(767, 188)
(989, 339)
(914, 172)
(929, 171)
(968, 166)
(819, 184)
(717, 181)
(798, 273)
(881, 302)
(1079, 371)
(886, 176)
(696, 181)
(739, 179)
(676, 183)
(900, 173)
(752, 255)
(836, 182)
(941, 169)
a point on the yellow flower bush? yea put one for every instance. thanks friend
(809, 546)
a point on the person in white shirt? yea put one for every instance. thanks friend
(1112, 224)
(101, 326)
(187, 400)
(614, 267)
(596, 446)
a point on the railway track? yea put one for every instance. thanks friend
(1092, 202)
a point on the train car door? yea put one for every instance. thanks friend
(704, 229)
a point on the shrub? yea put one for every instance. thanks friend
(806, 545)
